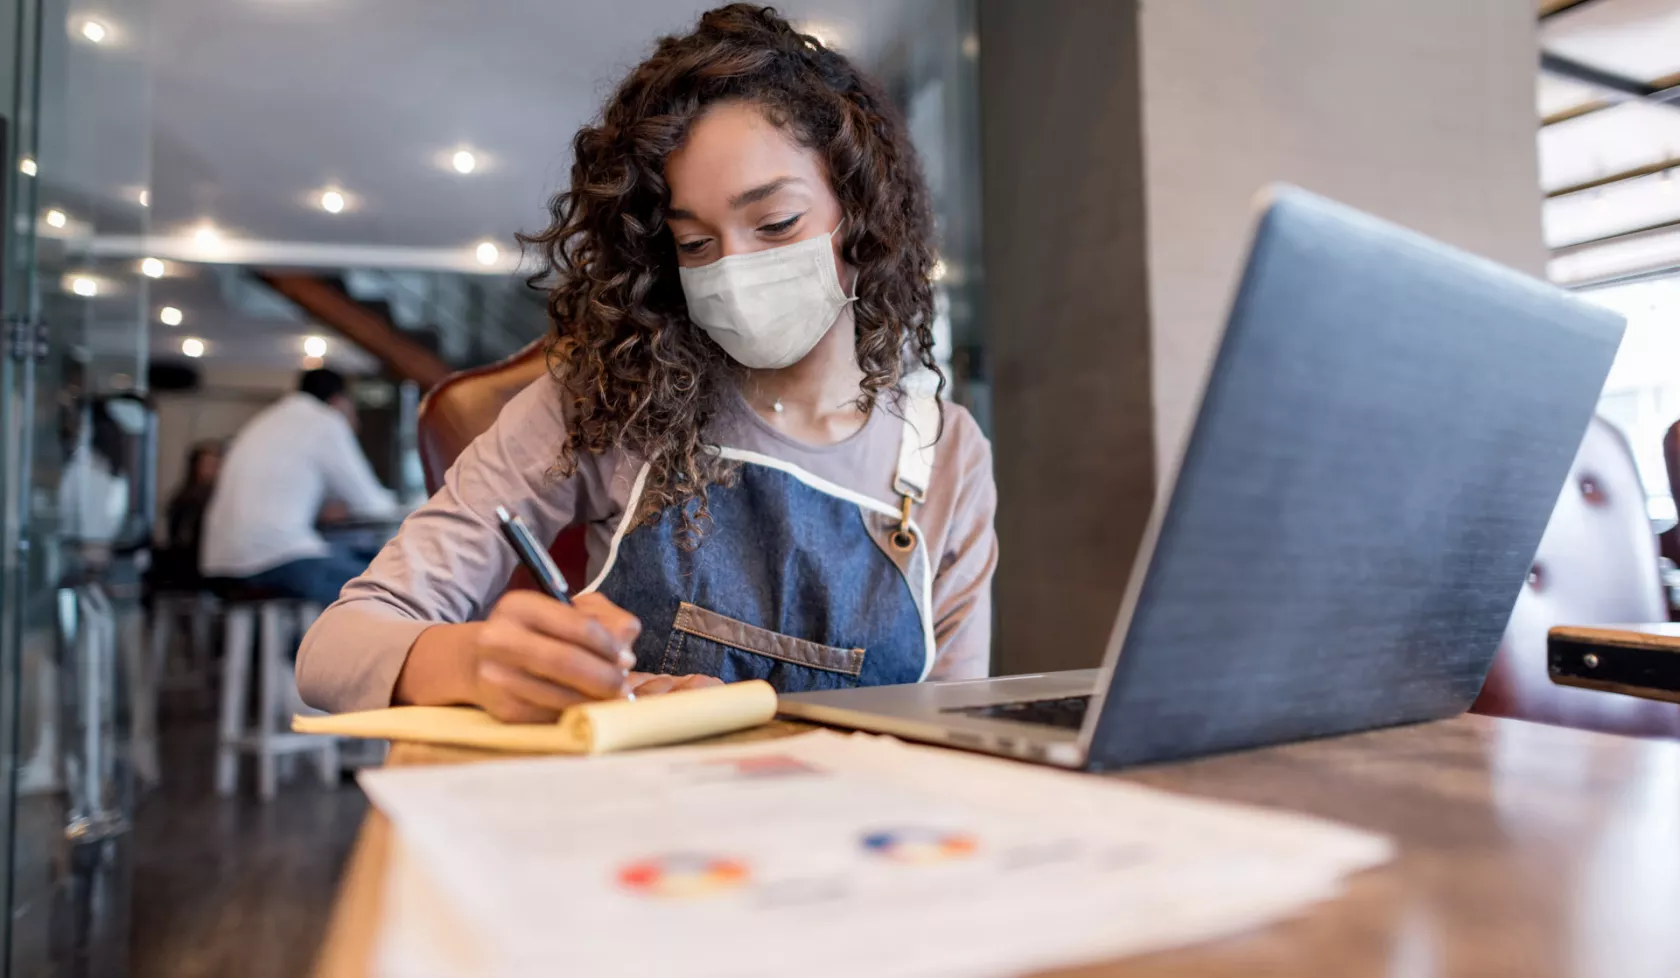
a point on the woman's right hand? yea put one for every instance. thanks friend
(536, 656)
(530, 659)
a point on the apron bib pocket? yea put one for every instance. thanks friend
(704, 641)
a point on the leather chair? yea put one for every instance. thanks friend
(1670, 539)
(1597, 565)
(462, 407)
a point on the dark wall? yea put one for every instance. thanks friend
(1067, 317)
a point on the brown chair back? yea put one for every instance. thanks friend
(1669, 542)
(1597, 565)
(462, 407)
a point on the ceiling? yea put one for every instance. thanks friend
(259, 105)
(1610, 164)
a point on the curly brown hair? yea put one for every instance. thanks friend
(635, 372)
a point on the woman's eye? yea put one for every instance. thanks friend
(780, 227)
(693, 247)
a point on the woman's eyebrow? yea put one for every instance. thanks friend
(741, 199)
(762, 191)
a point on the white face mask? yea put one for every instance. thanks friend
(767, 309)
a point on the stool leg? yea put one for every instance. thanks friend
(200, 658)
(327, 757)
(236, 667)
(144, 691)
(163, 635)
(269, 644)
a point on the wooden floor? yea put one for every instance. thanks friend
(231, 886)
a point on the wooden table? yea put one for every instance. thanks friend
(1525, 850)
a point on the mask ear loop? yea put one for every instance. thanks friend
(850, 293)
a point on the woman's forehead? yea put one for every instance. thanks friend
(731, 150)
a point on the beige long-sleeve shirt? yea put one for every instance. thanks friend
(449, 562)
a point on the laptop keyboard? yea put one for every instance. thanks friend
(1067, 712)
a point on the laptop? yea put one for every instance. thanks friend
(1381, 439)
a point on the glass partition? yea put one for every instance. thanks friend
(74, 426)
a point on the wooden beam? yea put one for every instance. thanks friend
(1574, 112)
(333, 308)
(1633, 174)
(1551, 8)
(1632, 234)
(1661, 90)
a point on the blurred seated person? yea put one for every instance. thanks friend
(277, 475)
(93, 488)
(176, 565)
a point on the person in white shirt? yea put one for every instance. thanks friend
(283, 465)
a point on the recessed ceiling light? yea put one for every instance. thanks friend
(57, 218)
(824, 33)
(463, 161)
(144, 197)
(332, 201)
(27, 167)
(84, 286)
(170, 316)
(314, 347)
(192, 347)
(152, 267)
(93, 30)
(487, 252)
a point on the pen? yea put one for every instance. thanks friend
(535, 558)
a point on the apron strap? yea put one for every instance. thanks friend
(915, 459)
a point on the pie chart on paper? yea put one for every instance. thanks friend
(920, 846)
(683, 876)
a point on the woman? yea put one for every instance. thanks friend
(740, 287)
(177, 562)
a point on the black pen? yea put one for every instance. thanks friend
(537, 561)
(535, 558)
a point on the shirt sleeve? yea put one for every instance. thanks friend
(962, 586)
(448, 563)
(349, 477)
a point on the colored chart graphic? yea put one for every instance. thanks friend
(920, 846)
(683, 876)
(764, 766)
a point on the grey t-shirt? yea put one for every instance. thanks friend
(449, 562)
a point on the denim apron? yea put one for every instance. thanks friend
(795, 580)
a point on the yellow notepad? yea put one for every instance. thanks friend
(590, 728)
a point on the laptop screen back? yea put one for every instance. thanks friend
(1383, 436)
